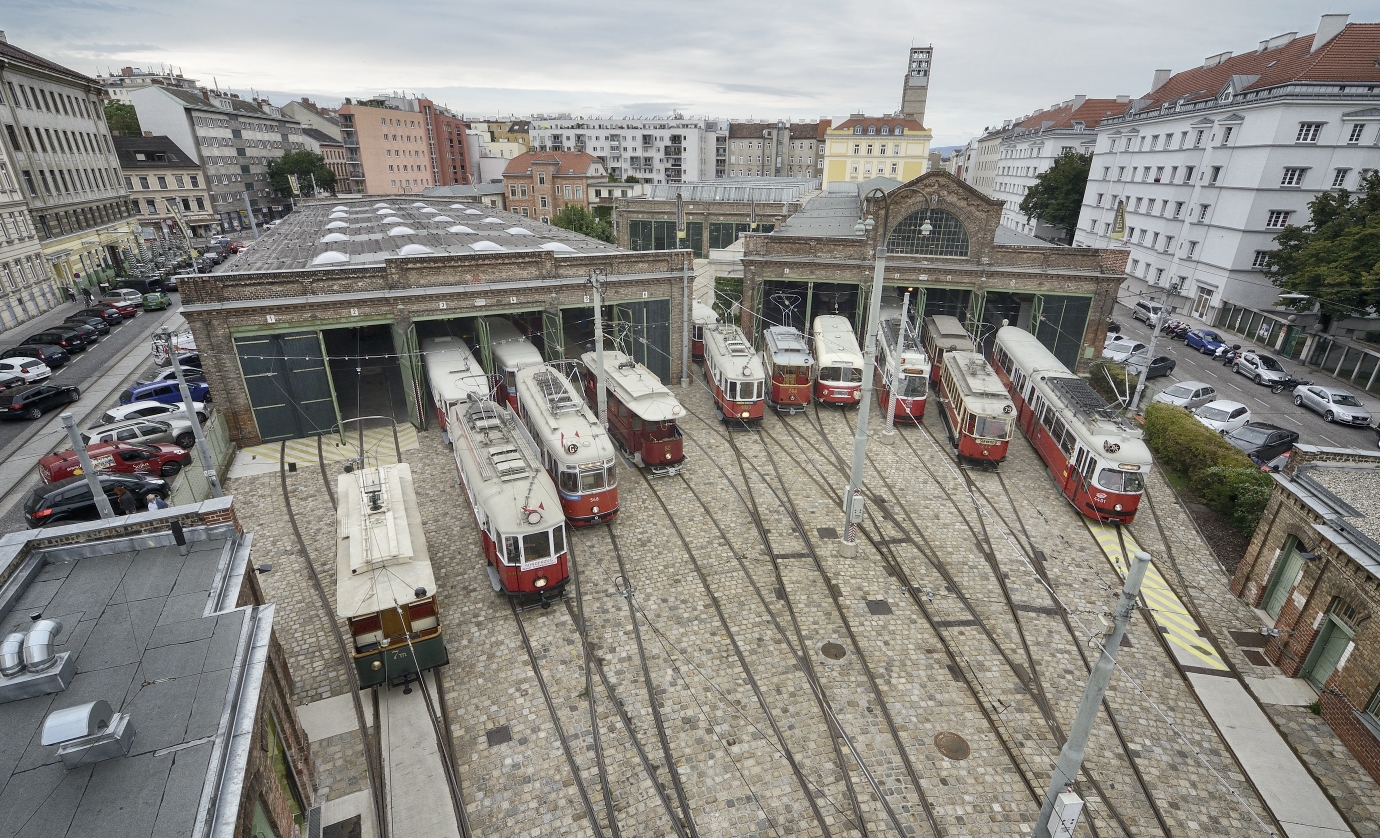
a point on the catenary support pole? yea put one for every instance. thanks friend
(596, 278)
(1150, 350)
(853, 498)
(889, 431)
(249, 208)
(685, 305)
(92, 479)
(203, 450)
(1071, 757)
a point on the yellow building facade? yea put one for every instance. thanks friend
(863, 147)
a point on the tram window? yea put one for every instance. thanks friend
(914, 386)
(536, 545)
(991, 427)
(591, 479)
(558, 538)
(570, 481)
(1048, 419)
(510, 376)
(1120, 481)
(510, 547)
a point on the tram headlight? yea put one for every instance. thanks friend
(1117, 507)
(668, 455)
(376, 665)
(539, 582)
(596, 510)
(745, 414)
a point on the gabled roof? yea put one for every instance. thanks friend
(567, 162)
(877, 122)
(126, 148)
(1090, 112)
(237, 106)
(10, 52)
(321, 137)
(1351, 56)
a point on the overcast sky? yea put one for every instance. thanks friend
(994, 59)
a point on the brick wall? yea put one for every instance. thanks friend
(261, 783)
(1340, 715)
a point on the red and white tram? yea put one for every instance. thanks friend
(978, 412)
(453, 373)
(512, 351)
(838, 379)
(514, 502)
(575, 450)
(907, 374)
(790, 369)
(642, 411)
(701, 315)
(735, 373)
(1097, 458)
(944, 332)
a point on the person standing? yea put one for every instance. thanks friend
(125, 499)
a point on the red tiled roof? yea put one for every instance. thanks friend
(1091, 113)
(878, 121)
(568, 162)
(1351, 56)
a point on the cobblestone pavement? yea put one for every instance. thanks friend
(740, 726)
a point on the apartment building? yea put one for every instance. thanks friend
(332, 150)
(863, 147)
(27, 285)
(1213, 162)
(1029, 147)
(167, 187)
(61, 147)
(312, 115)
(658, 150)
(398, 145)
(234, 142)
(119, 85)
(983, 155)
(542, 183)
(776, 149)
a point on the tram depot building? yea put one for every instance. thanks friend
(322, 319)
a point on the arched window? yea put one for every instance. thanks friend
(947, 235)
(899, 130)
(884, 129)
(871, 129)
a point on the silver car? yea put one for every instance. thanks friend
(1335, 404)
(168, 428)
(1260, 368)
(1187, 394)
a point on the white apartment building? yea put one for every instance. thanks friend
(657, 150)
(27, 286)
(119, 85)
(1214, 161)
(983, 155)
(235, 141)
(1029, 147)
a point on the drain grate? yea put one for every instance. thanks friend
(878, 607)
(827, 532)
(952, 745)
(833, 651)
(499, 735)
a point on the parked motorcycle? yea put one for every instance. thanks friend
(1180, 332)
(1113, 327)
(1289, 384)
(1169, 326)
(1229, 357)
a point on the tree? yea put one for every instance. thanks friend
(1057, 195)
(305, 164)
(122, 119)
(632, 179)
(1335, 258)
(580, 220)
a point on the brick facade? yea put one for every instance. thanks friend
(1335, 582)
(542, 183)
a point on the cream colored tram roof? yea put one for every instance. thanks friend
(637, 387)
(558, 417)
(949, 332)
(703, 314)
(983, 392)
(835, 343)
(511, 348)
(452, 370)
(787, 346)
(731, 352)
(913, 351)
(381, 556)
(500, 468)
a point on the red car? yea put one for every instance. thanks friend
(124, 307)
(122, 457)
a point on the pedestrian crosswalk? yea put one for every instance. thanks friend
(1166, 609)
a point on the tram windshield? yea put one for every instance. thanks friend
(791, 374)
(543, 545)
(660, 431)
(743, 391)
(841, 375)
(913, 386)
(1115, 480)
(992, 427)
(586, 478)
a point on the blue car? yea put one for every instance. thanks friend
(1204, 340)
(165, 392)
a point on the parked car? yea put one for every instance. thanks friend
(142, 285)
(1162, 365)
(1115, 338)
(1259, 367)
(65, 501)
(1146, 311)
(1334, 403)
(126, 308)
(97, 323)
(10, 382)
(164, 391)
(131, 291)
(70, 340)
(53, 356)
(175, 428)
(32, 401)
(88, 333)
(1223, 415)
(1122, 350)
(170, 374)
(1262, 441)
(150, 410)
(109, 314)
(157, 301)
(1187, 394)
(31, 370)
(1205, 341)
(164, 459)
(170, 283)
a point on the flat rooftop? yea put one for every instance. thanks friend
(412, 226)
(1356, 485)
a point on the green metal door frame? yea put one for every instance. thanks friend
(553, 334)
(1327, 650)
(1282, 580)
(486, 349)
(977, 301)
(409, 364)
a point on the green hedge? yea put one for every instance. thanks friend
(1225, 478)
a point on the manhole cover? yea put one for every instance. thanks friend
(833, 651)
(952, 745)
(499, 735)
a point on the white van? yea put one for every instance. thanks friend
(1146, 312)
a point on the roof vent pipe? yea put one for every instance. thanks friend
(38, 645)
(12, 655)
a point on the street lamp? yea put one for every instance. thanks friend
(853, 498)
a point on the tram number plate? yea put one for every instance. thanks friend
(533, 565)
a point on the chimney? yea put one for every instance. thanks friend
(3, 38)
(1161, 76)
(1328, 28)
(1123, 99)
(1078, 101)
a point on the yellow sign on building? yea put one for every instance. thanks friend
(1119, 225)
